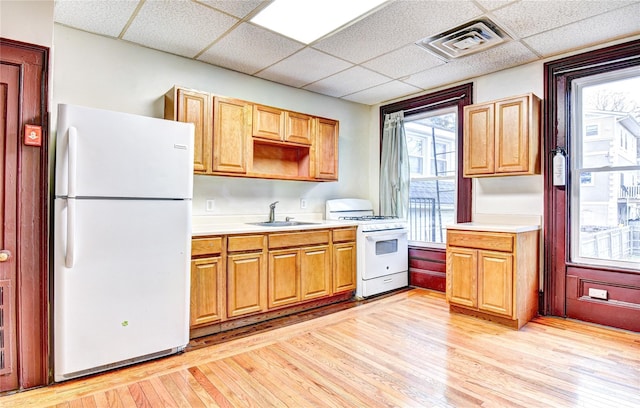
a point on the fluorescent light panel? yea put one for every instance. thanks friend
(308, 20)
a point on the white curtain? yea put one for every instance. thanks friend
(394, 167)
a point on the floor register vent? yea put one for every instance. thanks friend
(469, 38)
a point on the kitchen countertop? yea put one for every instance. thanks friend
(491, 227)
(203, 225)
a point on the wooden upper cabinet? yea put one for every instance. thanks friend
(184, 105)
(281, 126)
(326, 149)
(268, 122)
(231, 132)
(502, 137)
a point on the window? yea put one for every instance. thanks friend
(439, 195)
(604, 231)
(591, 130)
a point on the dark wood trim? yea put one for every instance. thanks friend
(33, 253)
(427, 268)
(463, 95)
(558, 75)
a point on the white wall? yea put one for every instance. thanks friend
(95, 71)
(27, 21)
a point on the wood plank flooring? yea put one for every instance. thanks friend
(404, 350)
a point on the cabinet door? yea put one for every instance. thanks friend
(479, 140)
(284, 277)
(195, 107)
(298, 127)
(462, 282)
(246, 284)
(344, 267)
(231, 134)
(326, 149)
(268, 122)
(495, 282)
(512, 135)
(315, 272)
(207, 283)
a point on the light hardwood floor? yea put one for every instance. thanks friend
(404, 350)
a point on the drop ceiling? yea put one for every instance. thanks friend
(371, 60)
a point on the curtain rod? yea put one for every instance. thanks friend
(435, 103)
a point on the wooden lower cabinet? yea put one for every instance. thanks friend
(246, 284)
(242, 279)
(493, 275)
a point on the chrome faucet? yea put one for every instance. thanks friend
(272, 211)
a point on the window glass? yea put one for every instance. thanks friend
(432, 144)
(605, 189)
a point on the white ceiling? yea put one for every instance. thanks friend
(369, 61)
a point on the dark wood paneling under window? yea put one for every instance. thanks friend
(427, 268)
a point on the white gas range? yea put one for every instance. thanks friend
(383, 257)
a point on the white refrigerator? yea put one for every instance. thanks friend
(122, 239)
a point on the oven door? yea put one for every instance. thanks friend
(385, 253)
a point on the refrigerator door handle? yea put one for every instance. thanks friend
(71, 233)
(72, 162)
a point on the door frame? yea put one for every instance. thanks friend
(558, 75)
(32, 292)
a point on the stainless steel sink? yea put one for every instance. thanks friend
(281, 223)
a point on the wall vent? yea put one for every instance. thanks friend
(469, 38)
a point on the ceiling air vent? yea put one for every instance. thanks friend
(466, 39)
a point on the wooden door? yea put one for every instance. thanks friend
(195, 107)
(23, 209)
(268, 122)
(315, 272)
(344, 267)
(495, 282)
(231, 133)
(207, 283)
(479, 140)
(246, 284)
(462, 276)
(326, 149)
(284, 277)
(512, 135)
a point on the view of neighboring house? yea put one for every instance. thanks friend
(609, 200)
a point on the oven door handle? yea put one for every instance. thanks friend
(386, 237)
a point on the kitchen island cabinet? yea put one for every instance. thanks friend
(502, 138)
(493, 274)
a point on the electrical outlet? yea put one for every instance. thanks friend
(598, 293)
(303, 203)
(210, 205)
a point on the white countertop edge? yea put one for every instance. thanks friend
(477, 226)
(245, 228)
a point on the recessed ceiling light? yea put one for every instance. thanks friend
(306, 21)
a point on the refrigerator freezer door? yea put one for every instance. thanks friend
(122, 155)
(127, 293)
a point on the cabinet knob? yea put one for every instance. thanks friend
(4, 255)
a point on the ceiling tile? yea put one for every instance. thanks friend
(501, 57)
(250, 49)
(180, 27)
(347, 82)
(238, 8)
(303, 68)
(382, 92)
(398, 24)
(404, 61)
(494, 4)
(617, 23)
(100, 17)
(526, 18)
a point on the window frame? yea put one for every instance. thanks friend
(458, 96)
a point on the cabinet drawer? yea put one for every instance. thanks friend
(342, 235)
(290, 239)
(245, 243)
(494, 241)
(206, 246)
